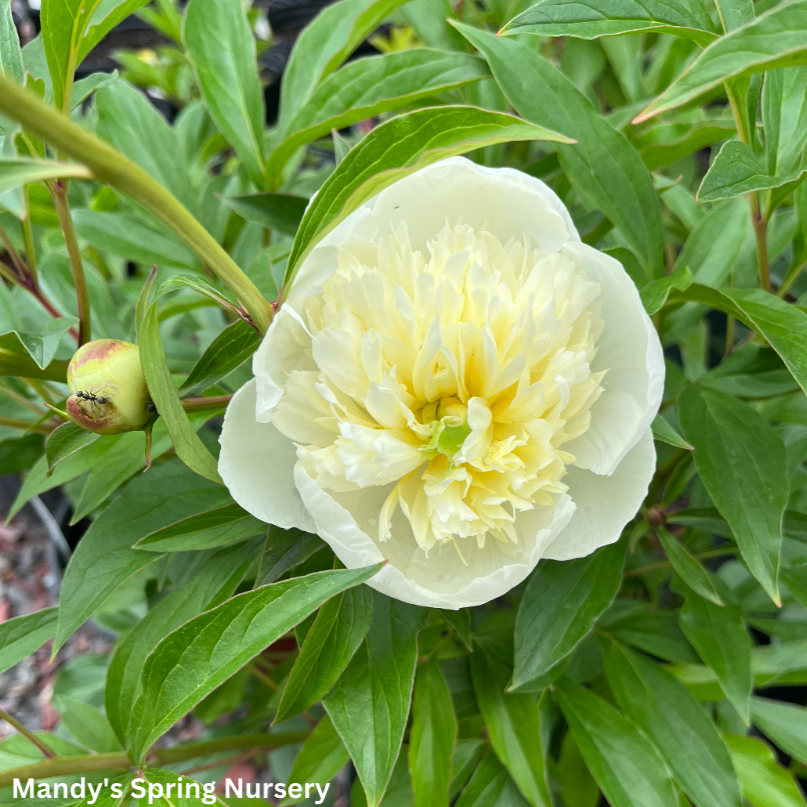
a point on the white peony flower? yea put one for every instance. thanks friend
(457, 384)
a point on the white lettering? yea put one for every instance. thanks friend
(27, 793)
(94, 794)
(322, 793)
(155, 791)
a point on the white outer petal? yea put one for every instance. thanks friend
(344, 525)
(605, 504)
(256, 464)
(282, 350)
(630, 351)
(503, 201)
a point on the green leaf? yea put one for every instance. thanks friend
(39, 480)
(63, 25)
(783, 326)
(212, 580)
(461, 622)
(467, 755)
(83, 89)
(192, 661)
(764, 782)
(189, 447)
(22, 365)
(774, 39)
(654, 294)
(491, 786)
(322, 756)
(784, 723)
(652, 631)
(667, 143)
(688, 569)
(742, 463)
(323, 45)
(622, 761)
(18, 454)
(684, 734)
(87, 725)
(104, 559)
(605, 169)
(275, 211)
(330, 644)
(283, 550)
(734, 13)
(431, 741)
(369, 705)
(190, 283)
(10, 56)
(126, 457)
(23, 635)
(513, 725)
(663, 431)
(598, 18)
(221, 48)
(226, 353)
(737, 170)
(369, 87)
(41, 346)
(785, 118)
(128, 121)
(561, 603)
(23, 171)
(721, 639)
(209, 530)
(108, 14)
(64, 441)
(121, 234)
(396, 149)
(714, 245)
(577, 785)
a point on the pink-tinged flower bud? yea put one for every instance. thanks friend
(108, 391)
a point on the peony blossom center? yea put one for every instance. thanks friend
(453, 375)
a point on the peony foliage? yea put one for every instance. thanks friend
(466, 361)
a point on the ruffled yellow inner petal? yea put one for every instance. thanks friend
(458, 375)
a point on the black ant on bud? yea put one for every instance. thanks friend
(95, 400)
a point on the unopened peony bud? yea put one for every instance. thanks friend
(108, 391)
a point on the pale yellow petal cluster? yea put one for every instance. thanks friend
(459, 374)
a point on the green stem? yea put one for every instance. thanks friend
(13, 254)
(664, 564)
(63, 766)
(19, 398)
(791, 278)
(28, 238)
(23, 366)
(758, 218)
(182, 753)
(59, 193)
(203, 404)
(25, 425)
(32, 738)
(760, 222)
(112, 167)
